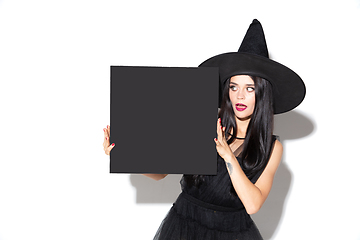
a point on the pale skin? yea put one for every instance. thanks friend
(252, 195)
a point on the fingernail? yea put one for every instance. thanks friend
(107, 126)
(104, 129)
(215, 139)
(113, 144)
(106, 138)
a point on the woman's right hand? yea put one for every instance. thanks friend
(108, 148)
(106, 144)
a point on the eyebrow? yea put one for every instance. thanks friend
(249, 84)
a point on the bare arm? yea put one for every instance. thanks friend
(252, 195)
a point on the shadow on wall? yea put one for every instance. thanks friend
(288, 126)
(151, 191)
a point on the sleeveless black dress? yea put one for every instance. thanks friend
(209, 211)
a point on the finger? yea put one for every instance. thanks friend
(105, 133)
(107, 130)
(221, 127)
(106, 137)
(106, 142)
(108, 149)
(223, 131)
(218, 126)
(219, 130)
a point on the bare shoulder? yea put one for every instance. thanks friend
(275, 157)
(274, 162)
(278, 147)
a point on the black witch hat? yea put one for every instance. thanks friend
(252, 59)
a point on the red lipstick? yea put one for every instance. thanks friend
(240, 107)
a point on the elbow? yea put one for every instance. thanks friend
(252, 209)
(156, 177)
(159, 177)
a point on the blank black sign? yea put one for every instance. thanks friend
(163, 120)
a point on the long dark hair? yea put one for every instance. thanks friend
(257, 145)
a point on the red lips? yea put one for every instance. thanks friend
(240, 107)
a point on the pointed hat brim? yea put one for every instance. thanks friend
(288, 88)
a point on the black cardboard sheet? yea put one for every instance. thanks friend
(163, 120)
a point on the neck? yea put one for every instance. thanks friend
(242, 125)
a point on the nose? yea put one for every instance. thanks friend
(241, 94)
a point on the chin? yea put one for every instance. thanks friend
(244, 118)
(242, 115)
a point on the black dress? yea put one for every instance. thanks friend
(209, 211)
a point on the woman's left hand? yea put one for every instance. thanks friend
(222, 146)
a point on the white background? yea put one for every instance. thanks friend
(55, 59)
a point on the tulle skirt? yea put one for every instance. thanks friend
(192, 219)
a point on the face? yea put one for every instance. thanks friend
(242, 96)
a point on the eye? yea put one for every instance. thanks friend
(250, 89)
(233, 87)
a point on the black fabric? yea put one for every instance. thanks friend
(209, 211)
(188, 220)
(254, 40)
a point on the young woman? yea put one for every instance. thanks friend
(254, 89)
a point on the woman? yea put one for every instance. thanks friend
(254, 88)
